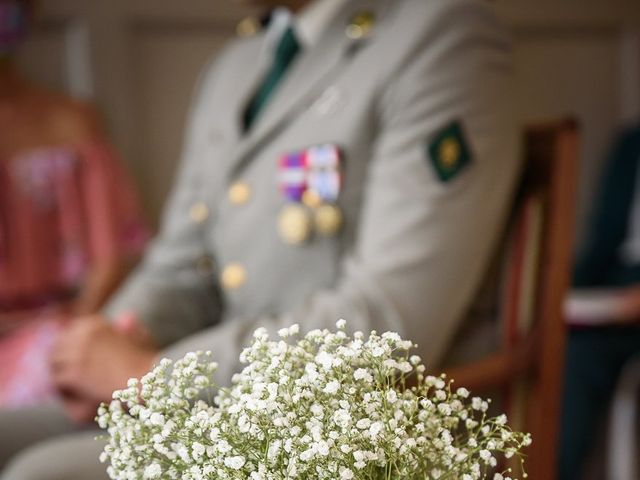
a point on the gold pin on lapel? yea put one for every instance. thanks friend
(248, 27)
(361, 25)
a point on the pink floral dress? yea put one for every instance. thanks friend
(61, 209)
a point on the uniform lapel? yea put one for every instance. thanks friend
(309, 76)
(245, 81)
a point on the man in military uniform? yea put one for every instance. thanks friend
(355, 159)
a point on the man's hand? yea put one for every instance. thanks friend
(91, 359)
(631, 304)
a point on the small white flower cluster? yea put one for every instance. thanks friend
(325, 406)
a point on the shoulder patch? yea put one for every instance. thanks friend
(448, 152)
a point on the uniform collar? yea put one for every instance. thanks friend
(310, 24)
(279, 20)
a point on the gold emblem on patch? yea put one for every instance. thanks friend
(449, 153)
(361, 25)
(328, 220)
(294, 224)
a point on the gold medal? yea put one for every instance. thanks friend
(328, 220)
(294, 224)
(311, 199)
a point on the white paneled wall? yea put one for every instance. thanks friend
(138, 59)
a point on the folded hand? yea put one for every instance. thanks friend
(91, 359)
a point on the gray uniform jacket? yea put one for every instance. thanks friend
(414, 244)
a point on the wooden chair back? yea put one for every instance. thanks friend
(537, 279)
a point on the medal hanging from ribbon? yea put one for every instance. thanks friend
(294, 222)
(324, 184)
(311, 182)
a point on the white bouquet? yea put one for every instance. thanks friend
(325, 406)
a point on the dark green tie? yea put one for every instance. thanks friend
(286, 52)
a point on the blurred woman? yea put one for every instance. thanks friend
(70, 226)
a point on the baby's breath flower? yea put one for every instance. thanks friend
(322, 407)
(235, 463)
(363, 374)
(153, 471)
(346, 474)
(332, 387)
(415, 360)
(462, 392)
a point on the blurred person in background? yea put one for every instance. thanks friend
(70, 227)
(356, 159)
(604, 308)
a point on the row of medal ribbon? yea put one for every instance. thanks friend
(310, 182)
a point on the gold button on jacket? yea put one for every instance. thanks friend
(199, 212)
(233, 276)
(239, 193)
